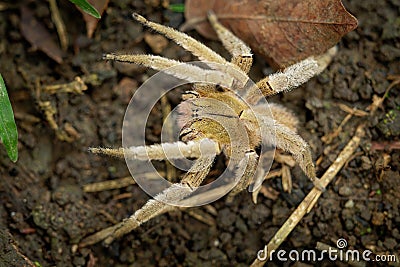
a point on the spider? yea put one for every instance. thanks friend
(203, 138)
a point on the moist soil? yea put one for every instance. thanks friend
(45, 213)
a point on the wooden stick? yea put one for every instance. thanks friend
(60, 26)
(109, 185)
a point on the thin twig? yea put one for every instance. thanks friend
(77, 86)
(201, 216)
(14, 245)
(118, 183)
(50, 112)
(328, 138)
(270, 175)
(60, 26)
(109, 185)
(388, 145)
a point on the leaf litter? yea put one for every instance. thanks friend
(38, 36)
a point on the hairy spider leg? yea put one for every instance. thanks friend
(176, 150)
(284, 116)
(241, 53)
(291, 77)
(247, 166)
(289, 141)
(190, 44)
(188, 72)
(279, 113)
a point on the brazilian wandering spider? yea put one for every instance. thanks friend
(203, 137)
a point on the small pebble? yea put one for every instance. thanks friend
(349, 225)
(349, 204)
(345, 191)
(378, 218)
(366, 163)
(216, 243)
(156, 42)
(241, 225)
(390, 243)
(225, 238)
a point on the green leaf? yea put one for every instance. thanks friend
(8, 129)
(179, 8)
(88, 8)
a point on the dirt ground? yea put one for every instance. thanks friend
(44, 211)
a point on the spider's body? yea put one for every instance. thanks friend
(203, 111)
(231, 109)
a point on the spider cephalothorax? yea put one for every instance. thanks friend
(199, 131)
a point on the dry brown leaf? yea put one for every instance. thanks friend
(91, 22)
(38, 36)
(283, 31)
